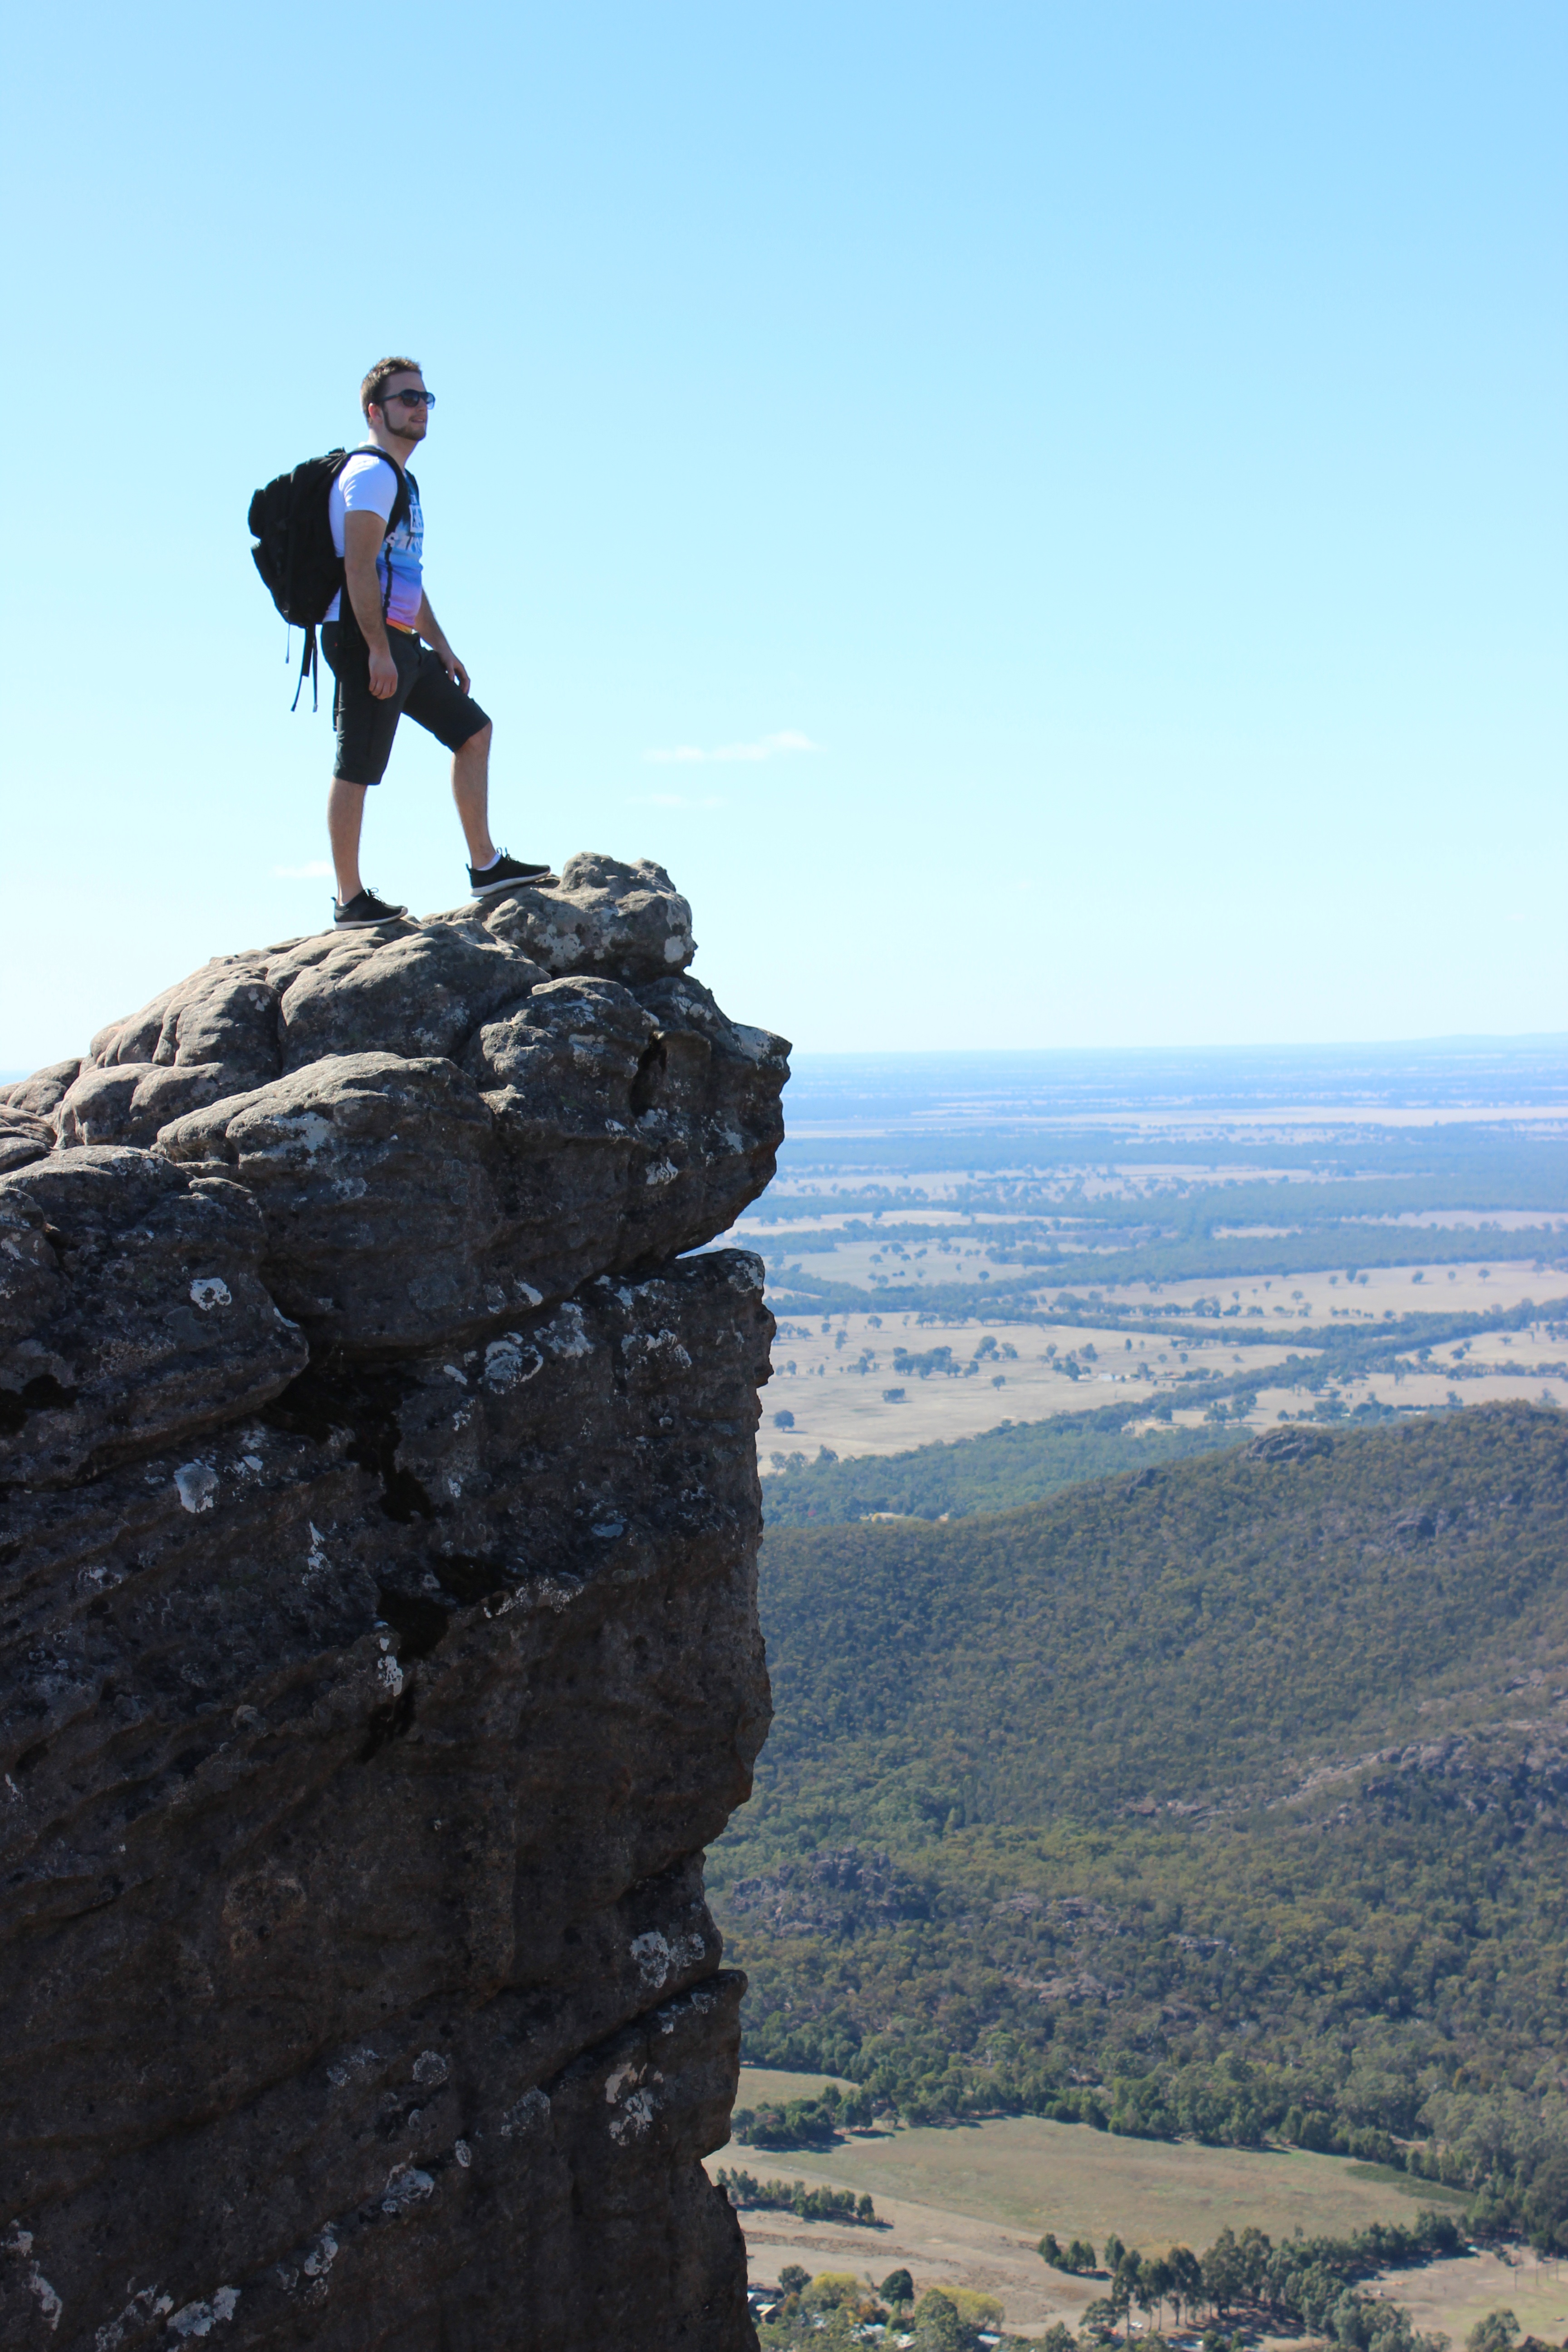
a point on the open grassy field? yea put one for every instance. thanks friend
(966, 2206)
(1035, 2176)
(860, 1262)
(833, 1374)
(1448, 2298)
(837, 1406)
(762, 2085)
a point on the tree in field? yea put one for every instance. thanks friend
(792, 2278)
(937, 2324)
(828, 2289)
(1126, 2279)
(1155, 2280)
(1498, 2332)
(898, 2288)
(1222, 2271)
(1186, 2278)
(1254, 2248)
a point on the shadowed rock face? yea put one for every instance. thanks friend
(379, 1648)
(134, 1314)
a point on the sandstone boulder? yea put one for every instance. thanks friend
(128, 1102)
(208, 1036)
(131, 1312)
(423, 991)
(586, 1131)
(40, 1093)
(227, 1013)
(374, 1176)
(1296, 1442)
(24, 1135)
(617, 922)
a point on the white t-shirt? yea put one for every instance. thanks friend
(368, 485)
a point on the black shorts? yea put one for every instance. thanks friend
(366, 727)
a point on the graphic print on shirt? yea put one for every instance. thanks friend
(368, 485)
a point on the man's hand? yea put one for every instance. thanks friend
(434, 636)
(383, 673)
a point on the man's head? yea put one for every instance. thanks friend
(394, 400)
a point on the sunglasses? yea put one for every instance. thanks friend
(412, 399)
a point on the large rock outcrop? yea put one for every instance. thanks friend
(378, 1515)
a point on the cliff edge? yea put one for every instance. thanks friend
(379, 1650)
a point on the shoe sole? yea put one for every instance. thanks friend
(516, 882)
(367, 922)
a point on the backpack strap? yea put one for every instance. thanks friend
(402, 502)
(310, 667)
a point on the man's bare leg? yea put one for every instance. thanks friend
(345, 816)
(471, 791)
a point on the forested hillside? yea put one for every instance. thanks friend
(1022, 1462)
(1228, 1796)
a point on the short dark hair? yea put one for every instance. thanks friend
(380, 376)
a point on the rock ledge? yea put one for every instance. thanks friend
(378, 1521)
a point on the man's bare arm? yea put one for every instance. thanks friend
(362, 536)
(434, 636)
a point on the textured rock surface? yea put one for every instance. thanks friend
(379, 1650)
(618, 922)
(133, 1315)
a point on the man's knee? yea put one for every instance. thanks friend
(478, 745)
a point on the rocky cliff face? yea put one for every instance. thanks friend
(379, 1647)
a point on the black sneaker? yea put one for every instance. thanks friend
(363, 910)
(506, 874)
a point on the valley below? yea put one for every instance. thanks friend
(965, 2205)
(1165, 1822)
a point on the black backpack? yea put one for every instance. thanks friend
(294, 553)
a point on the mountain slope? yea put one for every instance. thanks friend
(999, 1470)
(1190, 1633)
(1210, 1796)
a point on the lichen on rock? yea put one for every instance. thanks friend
(378, 1519)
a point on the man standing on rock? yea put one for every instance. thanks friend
(389, 654)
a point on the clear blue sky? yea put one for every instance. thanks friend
(1123, 442)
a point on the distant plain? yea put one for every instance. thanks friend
(930, 1202)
